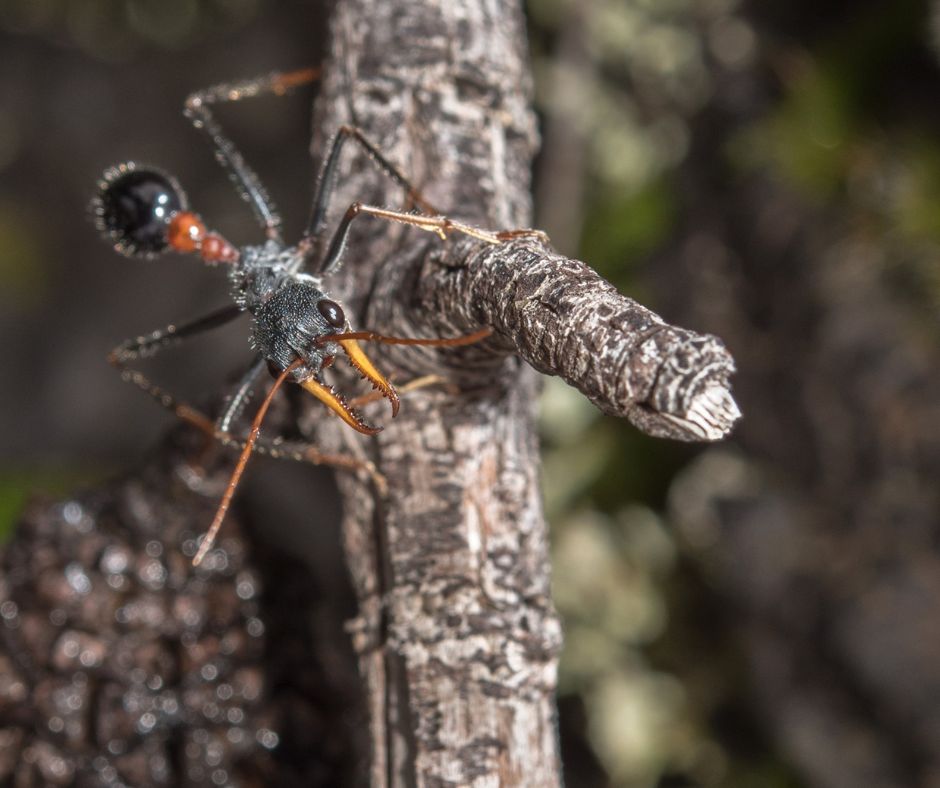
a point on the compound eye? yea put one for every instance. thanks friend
(332, 312)
(133, 208)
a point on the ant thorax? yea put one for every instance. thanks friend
(262, 270)
(291, 311)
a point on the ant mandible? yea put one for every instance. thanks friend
(298, 329)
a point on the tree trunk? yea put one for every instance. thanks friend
(457, 636)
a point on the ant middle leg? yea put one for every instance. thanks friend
(150, 345)
(439, 225)
(326, 183)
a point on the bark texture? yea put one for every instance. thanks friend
(456, 634)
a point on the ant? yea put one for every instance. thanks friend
(297, 329)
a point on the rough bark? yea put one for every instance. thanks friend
(456, 634)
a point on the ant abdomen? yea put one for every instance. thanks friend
(133, 208)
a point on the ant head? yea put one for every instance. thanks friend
(298, 319)
(301, 320)
(143, 212)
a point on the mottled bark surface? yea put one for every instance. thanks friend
(456, 634)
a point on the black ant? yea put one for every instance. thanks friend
(297, 328)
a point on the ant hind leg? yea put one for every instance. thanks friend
(197, 110)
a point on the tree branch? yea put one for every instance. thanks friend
(564, 319)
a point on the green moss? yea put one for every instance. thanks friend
(620, 230)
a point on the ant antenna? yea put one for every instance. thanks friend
(371, 336)
(213, 532)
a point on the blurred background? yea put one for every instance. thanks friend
(765, 612)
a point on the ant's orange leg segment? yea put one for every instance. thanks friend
(282, 82)
(196, 418)
(511, 235)
(441, 226)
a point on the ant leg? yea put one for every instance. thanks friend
(150, 345)
(278, 448)
(143, 347)
(327, 180)
(301, 451)
(439, 225)
(238, 398)
(538, 235)
(197, 110)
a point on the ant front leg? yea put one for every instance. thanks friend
(197, 110)
(238, 397)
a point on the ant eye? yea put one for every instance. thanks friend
(332, 312)
(133, 207)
